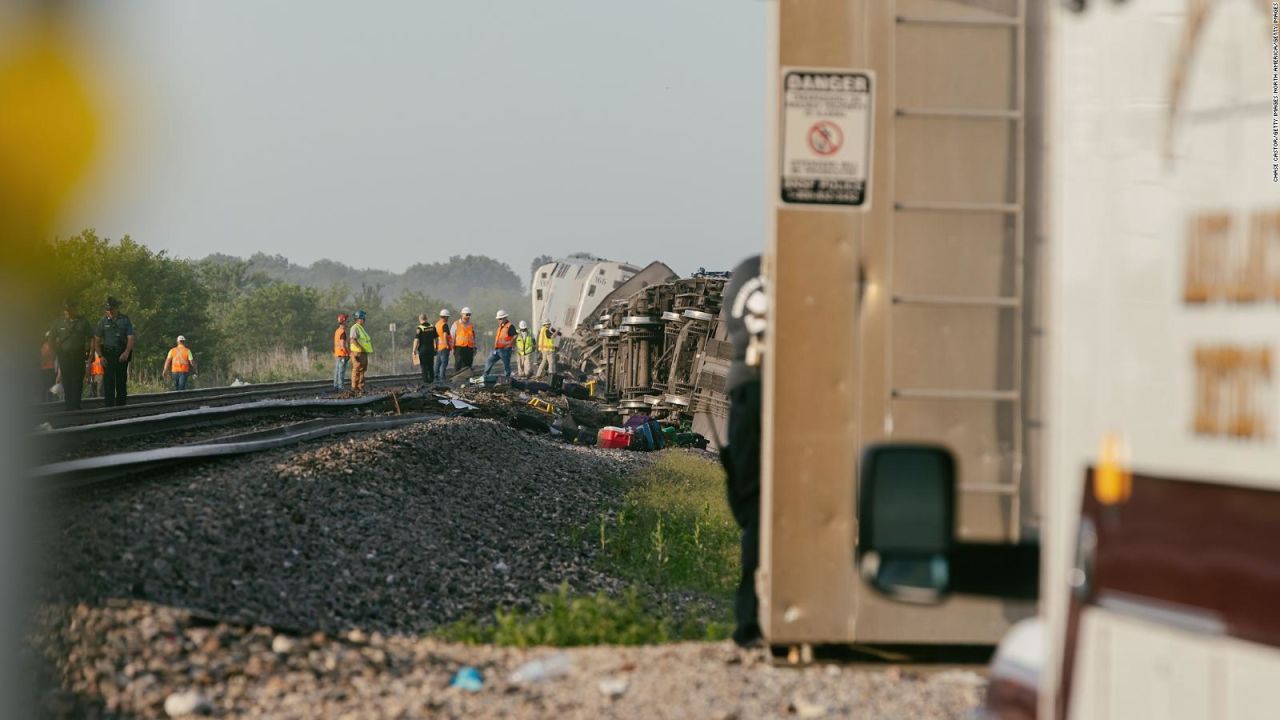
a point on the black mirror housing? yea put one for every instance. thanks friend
(907, 509)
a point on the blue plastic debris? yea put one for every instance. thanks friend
(467, 678)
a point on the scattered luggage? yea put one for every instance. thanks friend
(613, 437)
(577, 391)
(526, 420)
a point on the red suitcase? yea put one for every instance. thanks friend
(613, 437)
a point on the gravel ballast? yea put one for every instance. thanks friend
(398, 531)
(299, 583)
(133, 659)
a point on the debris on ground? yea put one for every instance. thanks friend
(126, 659)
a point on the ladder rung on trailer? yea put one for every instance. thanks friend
(948, 394)
(958, 206)
(988, 488)
(976, 20)
(974, 113)
(958, 300)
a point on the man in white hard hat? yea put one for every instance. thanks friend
(524, 350)
(504, 338)
(464, 342)
(547, 349)
(180, 362)
(444, 345)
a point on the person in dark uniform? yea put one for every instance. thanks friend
(744, 315)
(114, 339)
(424, 346)
(71, 337)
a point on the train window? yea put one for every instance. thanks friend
(591, 290)
(544, 276)
(539, 294)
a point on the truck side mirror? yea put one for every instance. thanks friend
(906, 533)
(906, 509)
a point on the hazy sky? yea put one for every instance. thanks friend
(388, 133)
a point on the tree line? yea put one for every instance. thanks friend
(230, 308)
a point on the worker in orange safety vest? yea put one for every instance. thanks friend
(464, 342)
(341, 352)
(48, 367)
(504, 339)
(444, 346)
(181, 363)
(96, 370)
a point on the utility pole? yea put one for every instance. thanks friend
(394, 362)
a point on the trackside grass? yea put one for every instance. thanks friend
(673, 538)
(674, 530)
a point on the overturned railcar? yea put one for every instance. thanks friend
(660, 351)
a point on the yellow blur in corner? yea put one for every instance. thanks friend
(49, 131)
(1112, 481)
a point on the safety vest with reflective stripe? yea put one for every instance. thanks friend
(524, 344)
(179, 359)
(546, 341)
(98, 367)
(360, 340)
(444, 340)
(502, 338)
(340, 342)
(464, 335)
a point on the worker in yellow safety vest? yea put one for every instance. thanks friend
(180, 362)
(464, 341)
(361, 349)
(547, 349)
(524, 350)
(444, 345)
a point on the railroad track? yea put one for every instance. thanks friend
(176, 401)
(104, 462)
(107, 470)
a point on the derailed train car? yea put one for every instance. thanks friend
(659, 349)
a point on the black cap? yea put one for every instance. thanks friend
(111, 303)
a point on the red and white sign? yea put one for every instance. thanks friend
(826, 137)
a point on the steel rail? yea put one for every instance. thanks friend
(84, 473)
(144, 398)
(196, 398)
(207, 416)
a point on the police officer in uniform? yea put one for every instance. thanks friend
(424, 346)
(71, 343)
(114, 339)
(744, 314)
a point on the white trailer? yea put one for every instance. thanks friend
(1160, 548)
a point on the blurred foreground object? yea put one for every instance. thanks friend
(48, 135)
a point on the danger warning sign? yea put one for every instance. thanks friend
(826, 136)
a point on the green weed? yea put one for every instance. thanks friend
(675, 531)
(564, 621)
